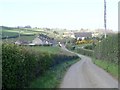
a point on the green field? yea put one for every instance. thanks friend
(24, 32)
(7, 33)
(49, 49)
(28, 38)
(13, 32)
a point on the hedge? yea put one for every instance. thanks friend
(107, 49)
(21, 65)
(85, 52)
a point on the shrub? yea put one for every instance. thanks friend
(107, 49)
(90, 47)
(85, 52)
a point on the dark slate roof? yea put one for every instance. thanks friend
(83, 34)
(45, 38)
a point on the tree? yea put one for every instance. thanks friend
(28, 26)
(55, 32)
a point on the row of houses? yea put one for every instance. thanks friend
(41, 39)
(78, 35)
(86, 33)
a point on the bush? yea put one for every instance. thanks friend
(85, 52)
(21, 65)
(90, 47)
(107, 49)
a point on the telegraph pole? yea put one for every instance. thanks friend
(105, 17)
(19, 35)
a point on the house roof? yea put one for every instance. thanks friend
(83, 34)
(37, 40)
(47, 38)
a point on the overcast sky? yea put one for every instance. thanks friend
(69, 14)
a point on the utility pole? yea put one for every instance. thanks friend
(105, 17)
(19, 34)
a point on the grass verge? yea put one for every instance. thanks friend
(48, 49)
(107, 66)
(53, 77)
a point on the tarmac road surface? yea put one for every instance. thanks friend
(85, 74)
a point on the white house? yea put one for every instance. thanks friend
(37, 41)
(83, 35)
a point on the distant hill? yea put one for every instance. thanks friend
(6, 28)
(102, 31)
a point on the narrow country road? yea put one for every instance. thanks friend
(85, 74)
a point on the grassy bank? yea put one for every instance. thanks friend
(48, 49)
(26, 38)
(51, 50)
(106, 55)
(53, 77)
(107, 66)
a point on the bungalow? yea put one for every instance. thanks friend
(43, 40)
(37, 41)
(83, 35)
(21, 42)
(68, 34)
(48, 40)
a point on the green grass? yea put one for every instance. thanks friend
(28, 38)
(24, 31)
(107, 54)
(53, 77)
(13, 32)
(6, 33)
(107, 66)
(49, 49)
